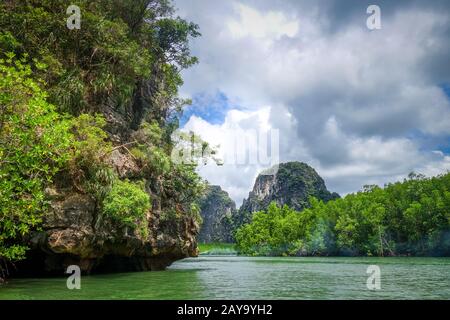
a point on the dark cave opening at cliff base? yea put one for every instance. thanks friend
(40, 264)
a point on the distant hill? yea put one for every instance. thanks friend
(289, 183)
(218, 212)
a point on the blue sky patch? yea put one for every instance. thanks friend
(430, 142)
(212, 108)
(446, 88)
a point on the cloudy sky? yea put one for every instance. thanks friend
(361, 106)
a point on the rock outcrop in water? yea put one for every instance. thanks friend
(112, 197)
(75, 233)
(289, 183)
(218, 212)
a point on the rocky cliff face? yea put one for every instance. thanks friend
(289, 183)
(74, 232)
(217, 211)
(118, 201)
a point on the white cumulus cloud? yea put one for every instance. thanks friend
(360, 106)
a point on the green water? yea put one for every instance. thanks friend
(211, 277)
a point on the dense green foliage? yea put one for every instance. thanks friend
(127, 203)
(404, 218)
(72, 97)
(34, 145)
(120, 42)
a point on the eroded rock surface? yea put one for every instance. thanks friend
(217, 211)
(289, 183)
(75, 232)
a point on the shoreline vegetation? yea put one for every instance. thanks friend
(409, 218)
(217, 248)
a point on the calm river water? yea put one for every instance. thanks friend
(229, 277)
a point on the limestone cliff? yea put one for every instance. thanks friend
(217, 211)
(75, 232)
(110, 196)
(289, 183)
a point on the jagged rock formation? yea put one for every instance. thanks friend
(217, 211)
(289, 183)
(75, 233)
